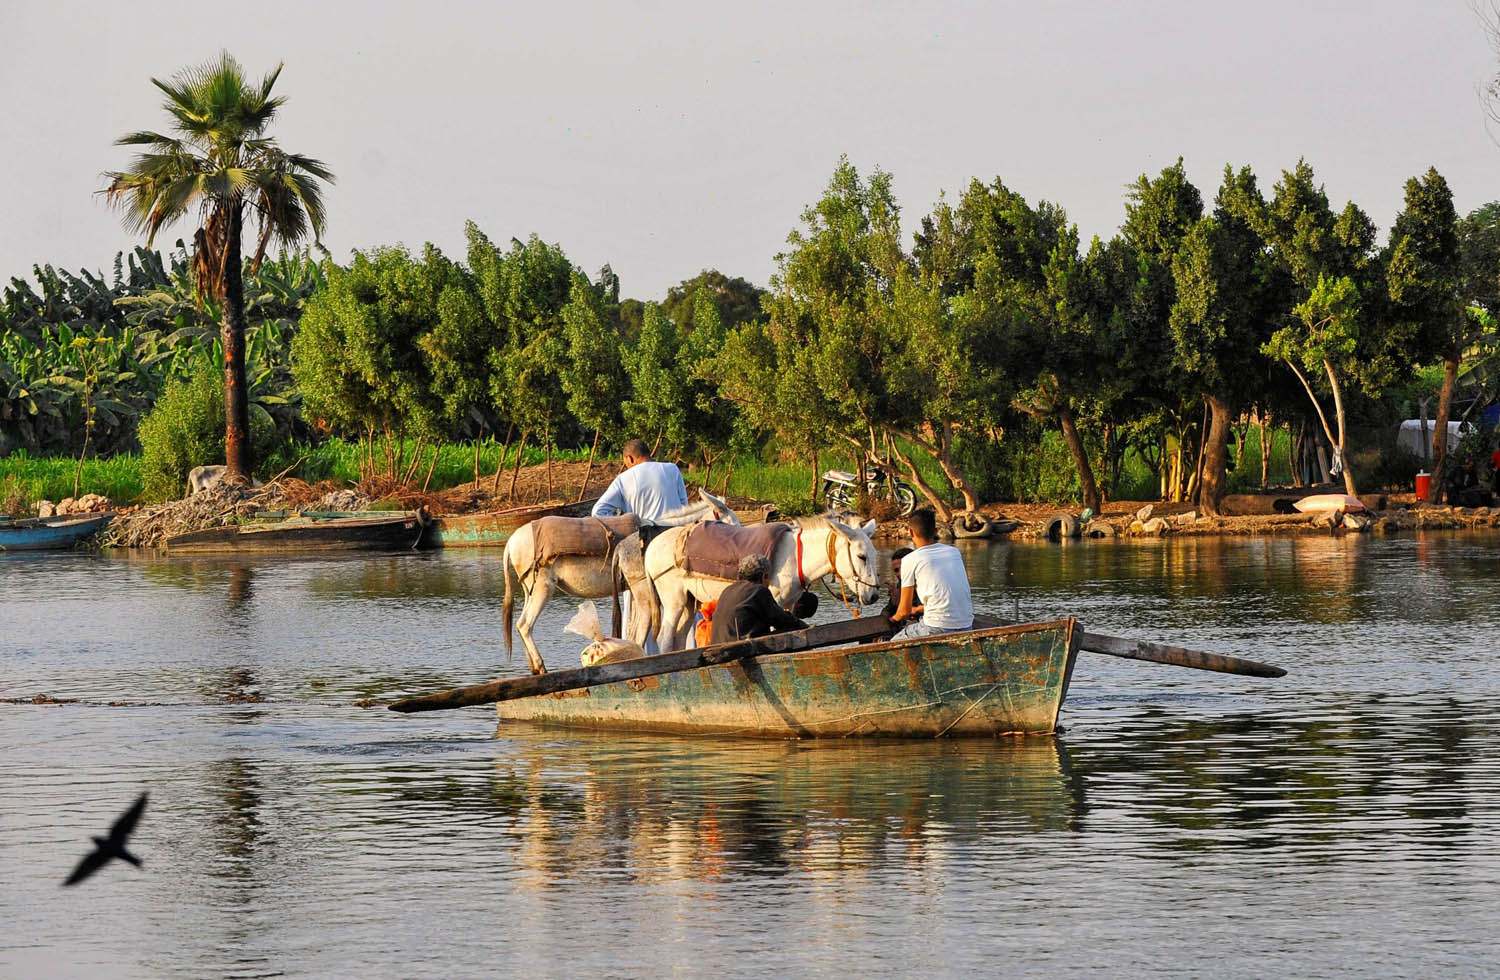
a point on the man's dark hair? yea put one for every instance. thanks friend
(900, 553)
(924, 523)
(637, 448)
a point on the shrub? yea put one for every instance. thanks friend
(186, 429)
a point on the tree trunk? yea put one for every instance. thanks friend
(237, 457)
(515, 474)
(955, 475)
(1197, 481)
(938, 505)
(1440, 430)
(1215, 456)
(476, 459)
(547, 438)
(589, 470)
(1267, 432)
(510, 430)
(433, 466)
(1295, 450)
(1086, 483)
(1343, 444)
(815, 476)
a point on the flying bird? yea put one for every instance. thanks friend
(112, 846)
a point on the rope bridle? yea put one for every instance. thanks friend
(833, 566)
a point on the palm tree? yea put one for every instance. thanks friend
(219, 165)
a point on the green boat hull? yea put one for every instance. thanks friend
(1004, 681)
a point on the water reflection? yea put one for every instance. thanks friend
(656, 809)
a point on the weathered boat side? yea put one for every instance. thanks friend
(491, 529)
(51, 534)
(1008, 680)
(384, 533)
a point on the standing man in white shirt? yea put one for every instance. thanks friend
(646, 488)
(933, 577)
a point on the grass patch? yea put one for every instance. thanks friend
(31, 478)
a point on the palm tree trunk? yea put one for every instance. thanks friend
(237, 456)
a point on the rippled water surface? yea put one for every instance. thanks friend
(1341, 819)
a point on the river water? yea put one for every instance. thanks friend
(1345, 818)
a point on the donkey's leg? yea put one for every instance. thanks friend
(541, 590)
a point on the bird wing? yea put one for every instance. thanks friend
(92, 861)
(123, 826)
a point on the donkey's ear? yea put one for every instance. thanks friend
(868, 526)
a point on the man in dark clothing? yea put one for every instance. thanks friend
(895, 598)
(746, 608)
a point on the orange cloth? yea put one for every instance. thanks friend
(705, 628)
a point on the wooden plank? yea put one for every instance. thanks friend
(867, 628)
(1160, 653)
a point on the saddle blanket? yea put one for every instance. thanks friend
(558, 537)
(715, 549)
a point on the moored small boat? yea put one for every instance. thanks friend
(51, 533)
(997, 681)
(373, 532)
(491, 529)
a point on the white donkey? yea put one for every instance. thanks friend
(814, 547)
(587, 576)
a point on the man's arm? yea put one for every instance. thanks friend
(906, 608)
(612, 502)
(776, 617)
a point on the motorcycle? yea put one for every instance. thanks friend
(841, 488)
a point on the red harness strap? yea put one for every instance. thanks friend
(801, 578)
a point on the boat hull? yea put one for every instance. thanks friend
(51, 534)
(368, 534)
(493, 528)
(1003, 681)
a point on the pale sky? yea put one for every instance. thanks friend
(664, 138)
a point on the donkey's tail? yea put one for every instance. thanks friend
(508, 607)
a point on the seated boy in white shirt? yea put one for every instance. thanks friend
(933, 577)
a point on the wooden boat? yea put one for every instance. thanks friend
(50, 533)
(375, 531)
(491, 529)
(997, 681)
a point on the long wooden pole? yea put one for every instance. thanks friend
(1157, 653)
(865, 628)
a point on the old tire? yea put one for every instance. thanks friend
(1099, 529)
(1061, 526)
(972, 525)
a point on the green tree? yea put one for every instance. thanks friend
(361, 354)
(1159, 213)
(1222, 316)
(1423, 277)
(1330, 289)
(1325, 339)
(735, 300)
(220, 164)
(593, 375)
(656, 411)
(524, 291)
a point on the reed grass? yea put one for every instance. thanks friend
(30, 478)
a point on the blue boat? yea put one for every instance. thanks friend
(50, 533)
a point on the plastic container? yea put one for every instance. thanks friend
(1424, 484)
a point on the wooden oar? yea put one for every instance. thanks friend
(1160, 653)
(869, 627)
